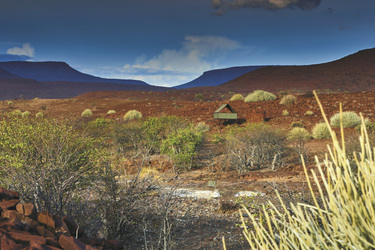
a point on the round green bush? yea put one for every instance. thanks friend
(288, 100)
(299, 134)
(259, 95)
(86, 113)
(40, 114)
(132, 115)
(111, 112)
(236, 97)
(349, 119)
(321, 131)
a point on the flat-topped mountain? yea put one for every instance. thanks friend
(56, 71)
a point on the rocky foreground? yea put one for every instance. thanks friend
(22, 227)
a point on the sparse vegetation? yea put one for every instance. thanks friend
(285, 112)
(349, 119)
(236, 97)
(336, 216)
(255, 146)
(40, 114)
(299, 136)
(86, 113)
(132, 115)
(17, 112)
(321, 131)
(288, 100)
(260, 95)
(309, 113)
(111, 112)
(25, 114)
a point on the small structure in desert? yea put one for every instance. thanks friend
(232, 115)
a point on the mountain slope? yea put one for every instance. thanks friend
(28, 88)
(354, 73)
(7, 75)
(216, 77)
(56, 71)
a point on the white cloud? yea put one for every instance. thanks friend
(174, 67)
(25, 50)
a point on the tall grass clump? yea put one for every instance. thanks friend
(236, 97)
(86, 113)
(288, 100)
(259, 95)
(349, 119)
(132, 115)
(321, 131)
(342, 213)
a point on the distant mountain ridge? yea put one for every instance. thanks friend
(57, 80)
(56, 71)
(354, 73)
(217, 77)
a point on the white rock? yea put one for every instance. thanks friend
(249, 194)
(199, 194)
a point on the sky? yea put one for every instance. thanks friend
(171, 42)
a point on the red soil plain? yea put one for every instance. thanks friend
(184, 103)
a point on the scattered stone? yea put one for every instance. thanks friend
(46, 219)
(8, 195)
(21, 227)
(9, 204)
(71, 243)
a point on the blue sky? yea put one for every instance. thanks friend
(170, 42)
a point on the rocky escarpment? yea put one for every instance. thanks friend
(22, 227)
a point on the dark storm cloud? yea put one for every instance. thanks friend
(7, 58)
(221, 6)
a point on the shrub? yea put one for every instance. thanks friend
(255, 146)
(298, 124)
(339, 218)
(203, 127)
(370, 127)
(309, 113)
(181, 146)
(260, 95)
(40, 114)
(46, 161)
(288, 100)
(142, 139)
(321, 131)
(10, 104)
(299, 136)
(349, 120)
(111, 112)
(285, 112)
(86, 113)
(199, 97)
(25, 114)
(132, 115)
(236, 97)
(16, 112)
